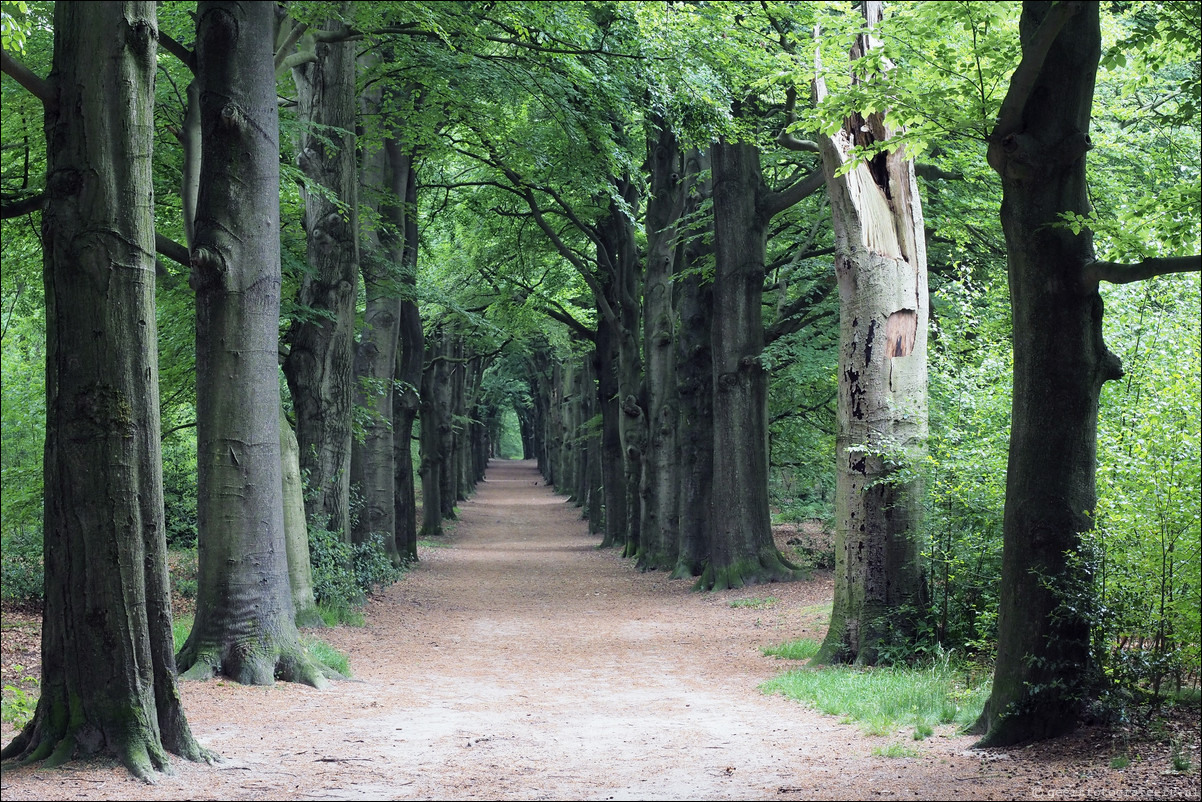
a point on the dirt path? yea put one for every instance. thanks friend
(523, 663)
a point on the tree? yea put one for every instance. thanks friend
(320, 362)
(108, 671)
(880, 262)
(1044, 669)
(244, 626)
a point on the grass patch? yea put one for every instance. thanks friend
(802, 649)
(1120, 762)
(180, 627)
(884, 700)
(895, 750)
(327, 655)
(755, 603)
(336, 614)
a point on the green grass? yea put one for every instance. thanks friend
(1120, 762)
(327, 655)
(755, 603)
(895, 750)
(180, 628)
(885, 700)
(802, 649)
(336, 614)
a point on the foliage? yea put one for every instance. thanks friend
(327, 655)
(965, 470)
(344, 573)
(21, 573)
(184, 571)
(18, 702)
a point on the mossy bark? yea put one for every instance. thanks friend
(108, 682)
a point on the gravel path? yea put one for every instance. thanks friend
(520, 662)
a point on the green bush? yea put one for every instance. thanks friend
(344, 573)
(22, 575)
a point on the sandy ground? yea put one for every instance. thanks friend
(519, 662)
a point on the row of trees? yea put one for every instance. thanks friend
(623, 237)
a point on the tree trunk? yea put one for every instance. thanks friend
(880, 264)
(296, 531)
(660, 483)
(742, 550)
(612, 462)
(320, 362)
(244, 625)
(1044, 668)
(411, 347)
(372, 458)
(108, 673)
(435, 426)
(695, 383)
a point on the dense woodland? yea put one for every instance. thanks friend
(280, 279)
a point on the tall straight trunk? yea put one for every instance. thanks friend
(108, 672)
(616, 233)
(1044, 665)
(880, 264)
(694, 380)
(435, 432)
(411, 346)
(660, 485)
(612, 461)
(320, 362)
(373, 457)
(244, 626)
(590, 412)
(742, 550)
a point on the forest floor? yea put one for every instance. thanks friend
(520, 662)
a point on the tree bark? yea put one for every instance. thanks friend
(108, 672)
(244, 625)
(411, 347)
(296, 531)
(320, 363)
(660, 484)
(1044, 667)
(372, 458)
(742, 550)
(880, 265)
(695, 380)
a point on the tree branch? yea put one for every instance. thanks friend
(188, 57)
(172, 250)
(776, 202)
(1116, 273)
(39, 87)
(14, 206)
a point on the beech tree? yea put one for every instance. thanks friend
(320, 362)
(108, 681)
(1045, 670)
(244, 626)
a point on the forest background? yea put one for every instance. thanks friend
(520, 141)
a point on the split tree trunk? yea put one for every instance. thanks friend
(108, 681)
(880, 264)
